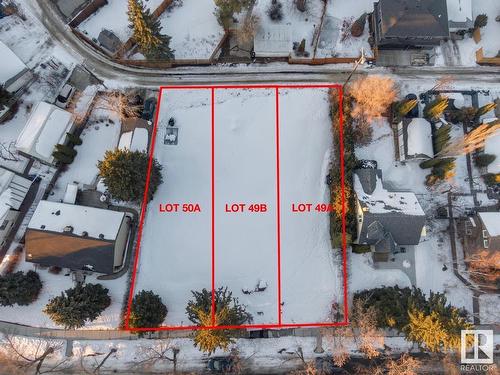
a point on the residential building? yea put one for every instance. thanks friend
(47, 126)
(459, 15)
(403, 24)
(13, 190)
(483, 232)
(388, 221)
(14, 75)
(77, 237)
(415, 139)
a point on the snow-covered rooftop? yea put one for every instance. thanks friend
(492, 146)
(97, 222)
(11, 64)
(419, 138)
(46, 127)
(491, 221)
(13, 190)
(383, 201)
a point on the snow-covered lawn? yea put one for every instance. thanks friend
(176, 247)
(336, 39)
(53, 285)
(193, 27)
(97, 137)
(112, 16)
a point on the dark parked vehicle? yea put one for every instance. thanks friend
(414, 112)
(149, 109)
(220, 365)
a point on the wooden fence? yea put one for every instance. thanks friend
(86, 12)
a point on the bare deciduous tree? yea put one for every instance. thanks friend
(471, 141)
(28, 353)
(364, 324)
(405, 365)
(159, 351)
(246, 32)
(8, 151)
(373, 95)
(123, 104)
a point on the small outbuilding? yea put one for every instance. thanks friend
(415, 139)
(47, 126)
(77, 237)
(459, 15)
(13, 191)
(109, 41)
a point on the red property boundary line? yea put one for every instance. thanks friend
(280, 324)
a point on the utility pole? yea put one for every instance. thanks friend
(360, 61)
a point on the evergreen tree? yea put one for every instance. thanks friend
(78, 305)
(227, 8)
(435, 109)
(441, 138)
(66, 150)
(147, 310)
(483, 160)
(481, 21)
(124, 173)
(405, 106)
(228, 311)
(358, 27)
(485, 109)
(147, 32)
(19, 288)
(5, 97)
(74, 139)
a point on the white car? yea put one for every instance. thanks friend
(64, 97)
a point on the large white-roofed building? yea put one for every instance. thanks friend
(77, 237)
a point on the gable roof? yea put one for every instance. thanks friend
(387, 212)
(11, 64)
(13, 190)
(491, 222)
(414, 18)
(46, 127)
(85, 221)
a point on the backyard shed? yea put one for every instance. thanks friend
(46, 127)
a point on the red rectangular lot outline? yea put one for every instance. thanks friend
(280, 324)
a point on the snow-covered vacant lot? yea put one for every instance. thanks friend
(176, 249)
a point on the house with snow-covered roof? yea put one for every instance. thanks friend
(47, 126)
(386, 220)
(482, 232)
(459, 15)
(14, 74)
(13, 191)
(77, 237)
(415, 139)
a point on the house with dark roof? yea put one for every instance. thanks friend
(386, 220)
(77, 237)
(401, 24)
(13, 191)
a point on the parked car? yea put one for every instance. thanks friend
(149, 109)
(414, 112)
(220, 365)
(65, 95)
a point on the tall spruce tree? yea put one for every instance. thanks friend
(485, 109)
(147, 32)
(78, 305)
(436, 108)
(147, 310)
(19, 288)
